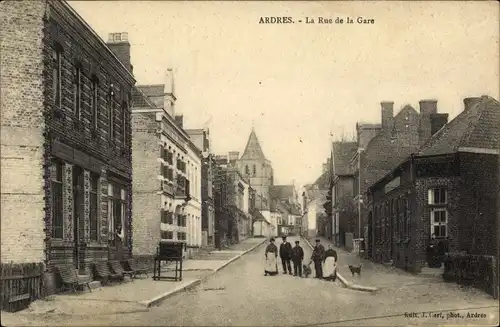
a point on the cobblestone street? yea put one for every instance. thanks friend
(241, 295)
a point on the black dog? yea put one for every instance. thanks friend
(306, 270)
(355, 270)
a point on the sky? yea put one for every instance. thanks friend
(299, 84)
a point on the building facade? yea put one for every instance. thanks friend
(398, 137)
(167, 172)
(66, 139)
(448, 189)
(201, 138)
(344, 212)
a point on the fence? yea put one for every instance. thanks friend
(21, 284)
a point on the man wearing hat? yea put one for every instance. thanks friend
(297, 257)
(286, 255)
(317, 257)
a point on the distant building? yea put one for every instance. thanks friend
(447, 188)
(285, 199)
(200, 138)
(65, 139)
(254, 166)
(344, 210)
(313, 199)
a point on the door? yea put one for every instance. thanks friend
(77, 217)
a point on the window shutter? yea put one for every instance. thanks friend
(431, 196)
(161, 215)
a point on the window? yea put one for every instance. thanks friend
(111, 115)
(439, 221)
(181, 236)
(182, 221)
(95, 101)
(124, 122)
(167, 217)
(167, 235)
(57, 74)
(94, 206)
(247, 171)
(254, 170)
(56, 189)
(117, 209)
(437, 196)
(77, 90)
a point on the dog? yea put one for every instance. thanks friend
(306, 270)
(355, 270)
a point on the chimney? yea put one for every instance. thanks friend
(233, 156)
(470, 102)
(387, 115)
(179, 119)
(438, 121)
(428, 108)
(119, 45)
(169, 96)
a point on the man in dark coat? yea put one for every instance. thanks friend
(286, 256)
(317, 257)
(297, 257)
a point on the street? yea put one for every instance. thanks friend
(240, 295)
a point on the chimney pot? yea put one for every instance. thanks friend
(119, 45)
(387, 108)
(470, 102)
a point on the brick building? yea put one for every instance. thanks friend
(200, 137)
(344, 212)
(167, 172)
(380, 150)
(66, 139)
(448, 188)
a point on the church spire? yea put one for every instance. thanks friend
(253, 150)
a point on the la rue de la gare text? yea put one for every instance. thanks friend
(316, 20)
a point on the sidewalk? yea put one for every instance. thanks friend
(389, 279)
(138, 294)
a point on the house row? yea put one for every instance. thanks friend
(417, 176)
(94, 165)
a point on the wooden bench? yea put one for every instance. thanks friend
(70, 278)
(101, 271)
(117, 268)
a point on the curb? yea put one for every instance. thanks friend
(196, 282)
(345, 282)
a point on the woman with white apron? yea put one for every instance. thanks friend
(330, 264)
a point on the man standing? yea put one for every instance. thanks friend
(286, 255)
(297, 257)
(317, 257)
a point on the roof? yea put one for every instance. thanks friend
(342, 155)
(476, 127)
(281, 191)
(258, 216)
(155, 90)
(140, 99)
(314, 193)
(253, 150)
(323, 181)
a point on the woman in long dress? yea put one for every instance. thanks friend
(271, 259)
(330, 264)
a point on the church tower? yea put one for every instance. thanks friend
(254, 166)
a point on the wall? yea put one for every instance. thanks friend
(262, 179)
(145, 184)
(477, 204)
(22, 124)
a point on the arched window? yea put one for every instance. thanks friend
(57, 74)
(77, 90)
(95, 100)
